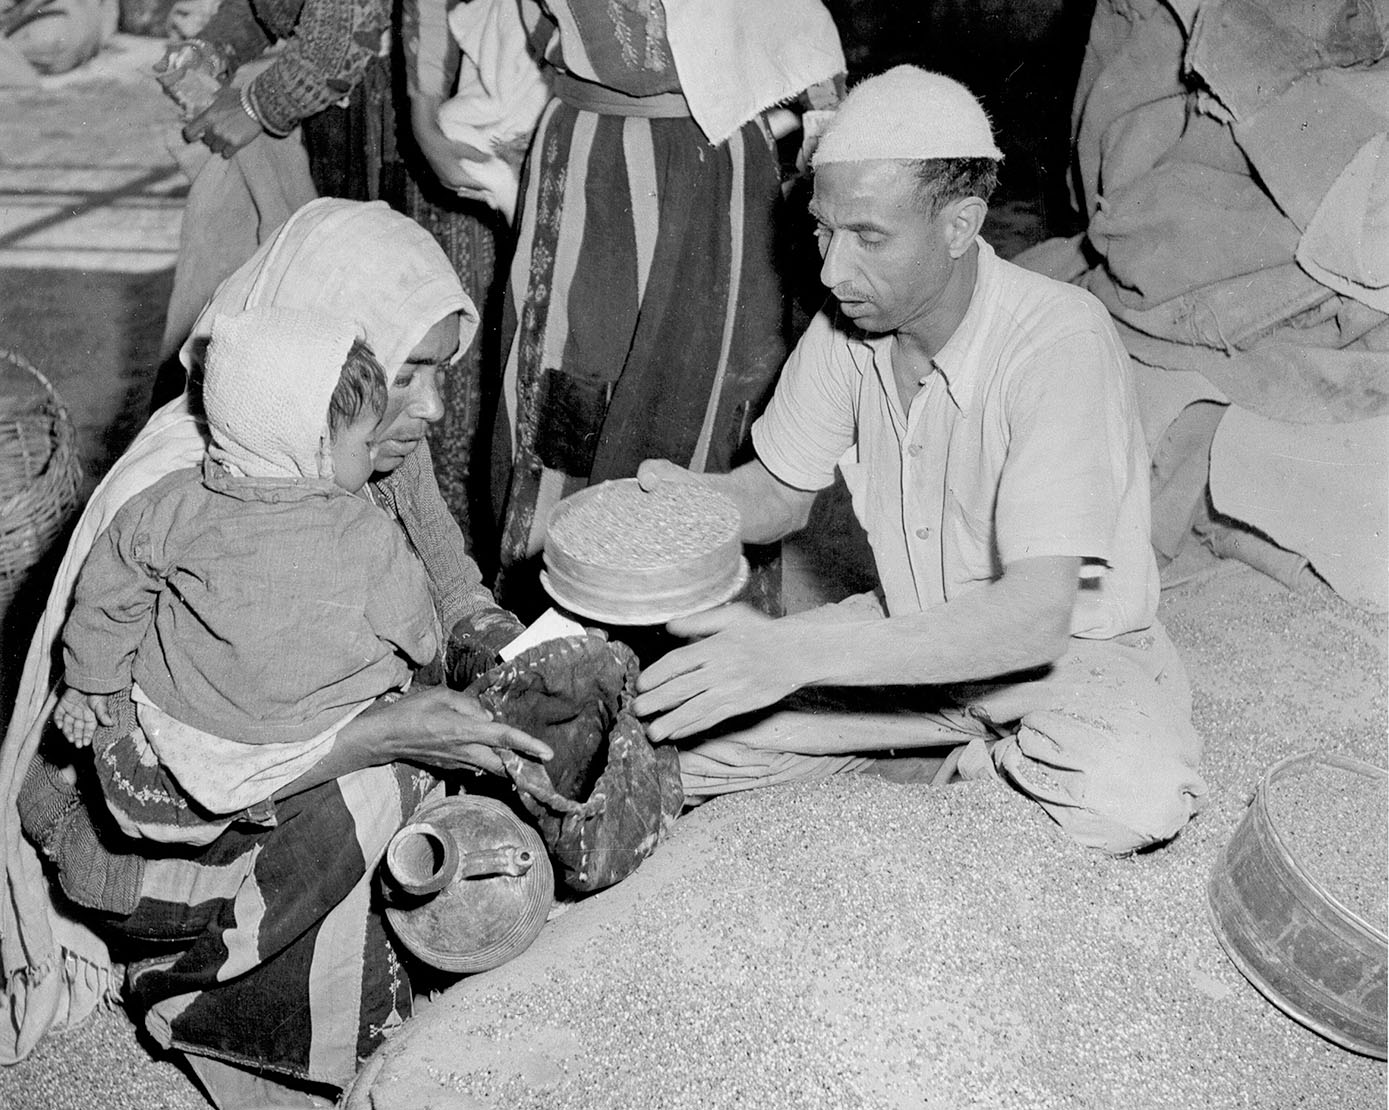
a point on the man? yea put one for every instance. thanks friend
(984, 421)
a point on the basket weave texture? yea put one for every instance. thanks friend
(40, 474)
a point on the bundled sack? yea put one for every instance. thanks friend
(608, 796)
(56, 36)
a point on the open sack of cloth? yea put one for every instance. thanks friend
(608, 796)
(1232, 160)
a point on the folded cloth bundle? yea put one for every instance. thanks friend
(608, 796)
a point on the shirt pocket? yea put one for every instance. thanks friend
(971, 554)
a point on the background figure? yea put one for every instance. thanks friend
(253, 111)
(340, 77)
(331, 76)
(472, 235)
(644, 316)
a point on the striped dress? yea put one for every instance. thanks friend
(254, 938)
(644, 316)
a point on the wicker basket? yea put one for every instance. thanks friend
(40, 473)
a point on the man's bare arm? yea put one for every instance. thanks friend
(745, 662)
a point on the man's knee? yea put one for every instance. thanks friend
(1108, 788)
(1131, 826)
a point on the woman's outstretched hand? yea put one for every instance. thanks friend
(449, 730)
(434, 727)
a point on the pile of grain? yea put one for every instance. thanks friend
(1335, 823)
(619, 525)
(854, 943)
(859, 944)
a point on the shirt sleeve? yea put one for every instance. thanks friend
(235, 29)
(398, 605)
(411, 492)
(431, 55)
(113, 604)
(322, 61)
(810, 421)
(1061, 486)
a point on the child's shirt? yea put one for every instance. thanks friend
(255, 609)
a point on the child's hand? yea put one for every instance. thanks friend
(77, 715)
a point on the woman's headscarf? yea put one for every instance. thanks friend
(342, 258)
(359, 261)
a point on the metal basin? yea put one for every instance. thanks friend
(1315, 958)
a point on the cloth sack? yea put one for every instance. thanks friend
(60, 35)
(608, 796)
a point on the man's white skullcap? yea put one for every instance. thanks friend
(907, 113)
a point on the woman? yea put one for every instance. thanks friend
(644, 315)
(331, 56)
(264, 953)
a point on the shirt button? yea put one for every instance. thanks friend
(923, 533)
(914, 450)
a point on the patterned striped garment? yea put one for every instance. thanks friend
(644, 314)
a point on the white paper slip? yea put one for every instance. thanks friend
(550, 625)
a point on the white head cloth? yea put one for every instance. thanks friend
(269, 374)
(907, 114)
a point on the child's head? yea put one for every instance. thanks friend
(354, 410)
(290, 394)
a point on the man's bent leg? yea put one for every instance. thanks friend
(1104, 743)
(799, 743)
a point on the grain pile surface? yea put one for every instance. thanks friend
(621, 526)
(1334, 823)
(855, 943)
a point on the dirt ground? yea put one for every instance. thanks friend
(845, 944)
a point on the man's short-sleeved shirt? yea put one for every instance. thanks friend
(1023, 441)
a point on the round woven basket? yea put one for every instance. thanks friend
(40, 472)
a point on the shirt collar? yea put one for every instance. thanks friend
(961, 373)
(958, 372)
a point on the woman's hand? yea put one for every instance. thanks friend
(446, 157)
(437, 728)
(226, 126)
(449, 730)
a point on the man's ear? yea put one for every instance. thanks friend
(964, 219)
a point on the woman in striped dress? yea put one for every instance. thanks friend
(644, 316)
(254, 941)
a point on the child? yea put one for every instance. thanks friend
(255, 600)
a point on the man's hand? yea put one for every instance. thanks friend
(746, 661)
(226, 126)
(659, 472)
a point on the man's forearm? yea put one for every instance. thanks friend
(739, 662)
(1015, 624)
(769, 507)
